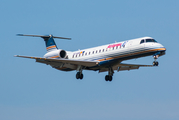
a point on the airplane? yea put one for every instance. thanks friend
(105, 58)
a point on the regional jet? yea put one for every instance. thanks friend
(105, 58)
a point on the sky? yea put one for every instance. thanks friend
(34, 91)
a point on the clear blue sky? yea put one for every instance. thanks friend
(34, 91)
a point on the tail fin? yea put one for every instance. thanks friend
(49, 41)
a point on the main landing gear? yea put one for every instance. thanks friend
(110, 74)
(108, 78)
(155, 63)
(79, 74)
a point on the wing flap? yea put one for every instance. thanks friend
(64, 61)
(122, 67)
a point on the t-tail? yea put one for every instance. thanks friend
(49, 41)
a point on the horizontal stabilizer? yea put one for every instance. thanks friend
(44, 36)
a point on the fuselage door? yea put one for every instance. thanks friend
(142, 44)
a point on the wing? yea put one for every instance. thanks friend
(121, 67)
(52, 61)
(55, 62)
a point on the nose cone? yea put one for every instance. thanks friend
(161, 48)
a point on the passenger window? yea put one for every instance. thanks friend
(103, 50)
(142, 41)
(86, 53)
(93, 52)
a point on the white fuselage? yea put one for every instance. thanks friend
(118, 51)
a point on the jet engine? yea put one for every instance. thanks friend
(62, 54)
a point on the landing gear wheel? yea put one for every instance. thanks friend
(108, 78)
(155, 63)
(79, 75)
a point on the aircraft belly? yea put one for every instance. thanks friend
(65, 67)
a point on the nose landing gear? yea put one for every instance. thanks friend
(155, 63)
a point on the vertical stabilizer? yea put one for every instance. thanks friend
(50, 43)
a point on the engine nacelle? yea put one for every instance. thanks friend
(57, 53)
(62, 54)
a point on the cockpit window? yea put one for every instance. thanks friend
(150, 40)
(142, 41)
